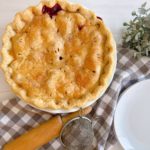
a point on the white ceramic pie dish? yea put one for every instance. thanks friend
(62, 111)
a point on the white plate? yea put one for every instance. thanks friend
(132, 117)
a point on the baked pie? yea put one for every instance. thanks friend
(58, 55)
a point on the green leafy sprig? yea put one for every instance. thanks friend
(137, 34)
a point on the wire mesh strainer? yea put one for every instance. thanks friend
(77, 134)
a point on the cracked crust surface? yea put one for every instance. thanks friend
(60, 62)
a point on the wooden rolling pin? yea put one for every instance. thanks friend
(43, 133)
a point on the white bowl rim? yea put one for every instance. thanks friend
(116, 112)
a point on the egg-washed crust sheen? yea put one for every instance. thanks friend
(58, 62)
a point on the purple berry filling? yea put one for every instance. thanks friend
(51, 11)
(99, 18)
(80, 27)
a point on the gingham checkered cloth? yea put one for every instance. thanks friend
(17, 117)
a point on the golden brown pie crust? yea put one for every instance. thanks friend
(60, 62)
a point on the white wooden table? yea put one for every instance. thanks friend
(113, 12)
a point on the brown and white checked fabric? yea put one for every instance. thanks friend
(16, 117)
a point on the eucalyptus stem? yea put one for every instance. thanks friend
(137, 33)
